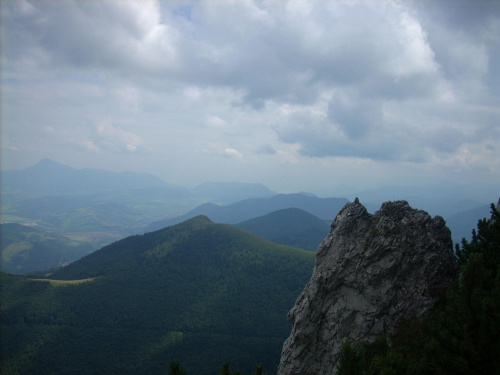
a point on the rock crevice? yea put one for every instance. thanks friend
(371, 273)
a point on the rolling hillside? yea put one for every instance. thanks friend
(26, 249)
(323, 208)
(199, 292)
(81, 213)
(291, 227)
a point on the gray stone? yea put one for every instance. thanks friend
(372, 272)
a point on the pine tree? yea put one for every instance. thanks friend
(467, 329)
(175, 368)
(259, 370)
(225, 369)
(352, 360)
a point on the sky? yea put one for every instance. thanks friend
(297, 95)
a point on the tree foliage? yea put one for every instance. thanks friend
(259, 370)
(175, 368)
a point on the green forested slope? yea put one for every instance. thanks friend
(198, 292)
(26, 249)
(290, 226)
(323, 208)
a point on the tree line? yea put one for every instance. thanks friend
(176, 369)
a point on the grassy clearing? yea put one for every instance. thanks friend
(66, 282)
(14, 249)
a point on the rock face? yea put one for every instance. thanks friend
(371, 273)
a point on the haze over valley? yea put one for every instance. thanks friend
(85, 209)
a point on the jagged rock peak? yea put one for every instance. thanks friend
(372, 272)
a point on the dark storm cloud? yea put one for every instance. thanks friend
(355, 118)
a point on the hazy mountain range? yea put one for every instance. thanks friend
(445, 200)
(98, 207)
(60, 198)
(290, 226)
(48, 177)
(323, 208)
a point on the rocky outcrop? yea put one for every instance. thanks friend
(372, 272)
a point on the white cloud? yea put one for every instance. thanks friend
(416, 55)
(90, 146)
(232, 152)
(271, 82)
(286, 156)
(192, 93)
(115, 139)
(216, 122)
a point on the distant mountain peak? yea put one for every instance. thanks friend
(307, 194)
(193, 224)
(48, 164)
(50, 177)
(47, 161)
(230, 192)
(200, 220)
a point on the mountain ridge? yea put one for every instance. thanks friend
(324, 208)
(229, 192)
(199, 292)
(56, 178)
(289, 226)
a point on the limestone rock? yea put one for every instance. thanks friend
(371, 273)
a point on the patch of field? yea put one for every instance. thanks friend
(66, 282)
(14, 249)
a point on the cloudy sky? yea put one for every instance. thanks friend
(297, 95)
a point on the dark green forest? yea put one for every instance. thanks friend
(460, 336)
(289, 226)
(198, 292)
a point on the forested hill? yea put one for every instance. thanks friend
(290, 226)
(323, 208)
(198, 292)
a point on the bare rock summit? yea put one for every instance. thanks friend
(372, 272)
